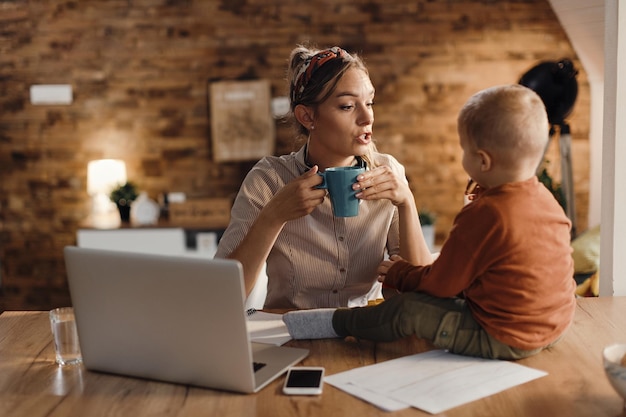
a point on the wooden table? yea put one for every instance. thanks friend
(32, 385)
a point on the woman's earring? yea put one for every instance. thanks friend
(312, 127)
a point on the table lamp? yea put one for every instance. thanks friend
(102, 176)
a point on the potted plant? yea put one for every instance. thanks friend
(123, 195)
(556, 189)
(427, 220)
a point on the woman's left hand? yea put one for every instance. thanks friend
(382, 183)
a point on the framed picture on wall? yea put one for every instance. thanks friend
(242, 127)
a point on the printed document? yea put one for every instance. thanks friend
(434, 381)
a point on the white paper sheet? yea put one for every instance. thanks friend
(434, 381)
(267, 328)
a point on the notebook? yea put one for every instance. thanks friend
(169, 318)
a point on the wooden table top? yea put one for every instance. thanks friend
(32, 385)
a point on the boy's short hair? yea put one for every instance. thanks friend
(509, 121)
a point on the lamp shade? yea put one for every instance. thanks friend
(105, 174)
(555, 83)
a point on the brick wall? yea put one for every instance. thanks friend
(139, 72)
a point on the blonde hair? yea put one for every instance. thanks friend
(509, 121)
(321, 83)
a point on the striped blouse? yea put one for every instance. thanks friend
(318, 260)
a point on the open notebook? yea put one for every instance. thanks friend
(169, 318)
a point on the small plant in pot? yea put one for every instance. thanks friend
(123, 196)
(427, 220)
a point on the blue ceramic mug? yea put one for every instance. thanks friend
(338, 181)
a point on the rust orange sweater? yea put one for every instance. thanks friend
(509, 255)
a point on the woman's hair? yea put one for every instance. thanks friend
(509, 121)
(313, 75)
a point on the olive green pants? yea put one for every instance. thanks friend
(446, 322)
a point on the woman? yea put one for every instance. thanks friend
(279, 216)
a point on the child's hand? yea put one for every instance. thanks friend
(385, 265)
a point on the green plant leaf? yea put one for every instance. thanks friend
(124, 194)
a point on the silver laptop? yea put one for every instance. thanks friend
(169, 318)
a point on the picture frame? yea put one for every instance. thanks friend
(242, 127)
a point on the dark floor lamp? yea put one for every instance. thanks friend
(555, 82)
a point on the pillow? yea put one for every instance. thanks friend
(586, 251)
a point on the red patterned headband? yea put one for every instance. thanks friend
(309, 67)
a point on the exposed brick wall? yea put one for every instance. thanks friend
(139, 72)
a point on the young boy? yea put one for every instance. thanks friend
(502, 286)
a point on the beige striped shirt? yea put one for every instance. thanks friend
(318, 260)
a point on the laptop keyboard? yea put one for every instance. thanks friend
(257, 365)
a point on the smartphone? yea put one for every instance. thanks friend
(304, 380)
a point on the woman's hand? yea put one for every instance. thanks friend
(382, 183)
(297, 198)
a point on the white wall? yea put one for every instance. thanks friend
(613, 239)
(597, 30)
(583, 22)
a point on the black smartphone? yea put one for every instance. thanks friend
(304, 380)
